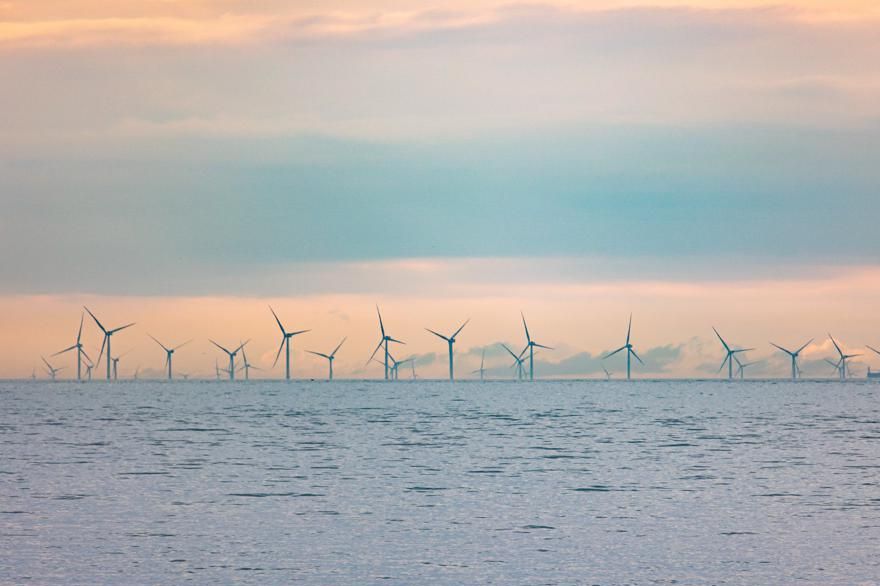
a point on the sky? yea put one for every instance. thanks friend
(185, 163)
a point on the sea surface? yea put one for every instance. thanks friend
(412, 483)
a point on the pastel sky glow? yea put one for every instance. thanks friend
(185, 163)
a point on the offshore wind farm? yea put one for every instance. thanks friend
(734, 362)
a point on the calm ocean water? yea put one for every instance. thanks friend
(428, 483)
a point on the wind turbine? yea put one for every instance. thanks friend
(843, 358)
(834, 365)
(330, 357)
(607, 374)
(116, 364)
(530, 346)
(231, 355)
(450, 341)
(517, 362)
(399, 363)
(731, 354)
(79, 349)
(743, 365)
(285, 342)
(795, 371)
(169, 352)
(393, 369)
(383, 341)
(875, 351)
(51, 370)
(629, 349)
(481, 370)
(247, 366)
(107, 335)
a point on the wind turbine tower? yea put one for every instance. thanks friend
(232, 354)
(79, 350)
(795, 370)
(517, 362)
(330, 357)
(51, 370)
(285, 344)
(731, 354)
(530, 346)
(629, 350)
(383, 341)
(108, 334)
(169, 352)
(482, 369)
(843, 358)
(450, 341)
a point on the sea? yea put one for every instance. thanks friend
(428, 482)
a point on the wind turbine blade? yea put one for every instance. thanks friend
(742, 350)
(726, 358)
(278, 354)
(629, 328)
(509, 351)
(526, 327)
(219, 346)
(833, 341)
(615, 352)
(179, 346)
(100, 354)
(875, 350)
(318, 354)
(79, 333)
(460, 329)
(787, 351)
(242, 345)
(83, 352)
(338, 347)
(804, 346)
(292, 334)
(96, 319)
(244, 354)
(46, 362)
(121, 328)
(277, 320)
(636, 355)
(376, 350)
(396, 341)
(158, 342)
(726, 347)
(74, 347)
(381, 324)
(542, 346)
(438, 335)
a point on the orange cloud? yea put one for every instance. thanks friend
(138, 22)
